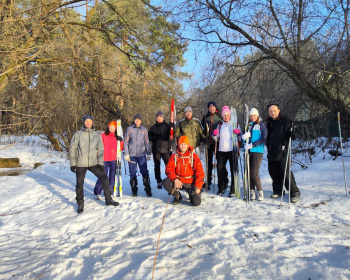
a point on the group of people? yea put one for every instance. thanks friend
(97, 153)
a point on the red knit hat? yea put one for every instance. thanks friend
(184, 139)
(112, 123)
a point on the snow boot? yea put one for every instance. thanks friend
(260, 195)
(112, 203)
(252, 194)
(177, 198)
(147, 185)
(134, 188)
(232, 191)
(294, 197)
(159, 185)
(80, 208)
(98, 196)
(277, 195)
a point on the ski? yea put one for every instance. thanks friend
(172, 124)
(235, 154)
(119, 181)
(246, 158)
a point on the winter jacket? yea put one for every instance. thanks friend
(110, 146)
(224, 138)
(213, 120)
(86, 148)
(258, 137)
(136, 143)
(179, 166)
(192, 128)
(159, 135)
(278, 137)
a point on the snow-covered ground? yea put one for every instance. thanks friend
(42, 236)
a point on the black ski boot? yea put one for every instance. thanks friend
(294, 197)
(134, 188)
(232, 191)
(80, 208)
(147, 185)
(112, 203)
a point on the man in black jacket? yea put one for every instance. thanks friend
(279, 132)
(159, 135)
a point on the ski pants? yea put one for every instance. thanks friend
(276, 170)
(222, 158)
(110, 168)
(255, 160)
(211, 151)
(157, 159)
(79, 188)
(195, 198)
(142, 163)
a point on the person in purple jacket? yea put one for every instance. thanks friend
(137, 152)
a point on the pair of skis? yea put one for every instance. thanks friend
(118, 184)
(235, 154)
(246, 181)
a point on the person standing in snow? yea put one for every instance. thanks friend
(223, 135)
(280, 130)
(159, 136)
(137, 153)
(255, 138)
(184, 171)
(110, 141)
(86, 153)
(209, 122)
(192, 128)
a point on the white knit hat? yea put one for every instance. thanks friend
(254, 111)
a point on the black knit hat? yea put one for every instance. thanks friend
(212, 103)
(138, 116)
(160, 113)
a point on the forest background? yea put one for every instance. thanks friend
(61, 60)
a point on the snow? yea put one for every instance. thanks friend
(42, 236)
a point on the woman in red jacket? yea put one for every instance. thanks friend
(110, 140)
(184, 171)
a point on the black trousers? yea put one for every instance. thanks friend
(222, 158)
(276, 170)
(195, 198)
(255, 160)
(211, 151)
(79, 188)
(157, 159)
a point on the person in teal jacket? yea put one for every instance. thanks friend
(255, 139)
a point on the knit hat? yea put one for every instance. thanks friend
(160, 113)
(254, 111)
(225, 110)
(87, 117)
(112, 123)
(211, 103)
(272, 104)
(138, 116)
(188, 109)
(184, 139)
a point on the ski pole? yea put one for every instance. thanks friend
(342, 154)
(285, 174)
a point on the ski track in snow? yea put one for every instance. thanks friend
(42, 237)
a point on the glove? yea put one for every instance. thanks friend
(148, 157)
(170, 153)
(73, 169)
(246, 135)
(119, 138)
(100, 167)
(127, 158)
(237, 131)
(248, 146)
(216, 132)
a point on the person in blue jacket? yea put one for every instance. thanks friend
(137, 152)
(255, 139)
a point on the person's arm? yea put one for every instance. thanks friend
(73, 149)
(198, 171)
(170, 168)
(147, 148)
(263, 137)
(100, 150)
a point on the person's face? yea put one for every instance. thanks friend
(253, 118)
(160, 119)
(137, 122)
(274, 112)
(188, 115)
(183, 147)
(227, 117)
(111, 128)
(212, 109)
(88, 123)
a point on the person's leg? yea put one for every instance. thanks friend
(156, 159)
(255, 163)
(79, 188)
(104, 181)
(142, 162)
(221, 166)
(293, 186)
(276, 172)
(195, 198)
(133, 177)
(211, 150)
(112, 165)
(165, 157)
(169, 186)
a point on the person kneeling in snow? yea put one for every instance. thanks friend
(86, 153)
(184, 171)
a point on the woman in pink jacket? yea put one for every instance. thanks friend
(110, 140)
